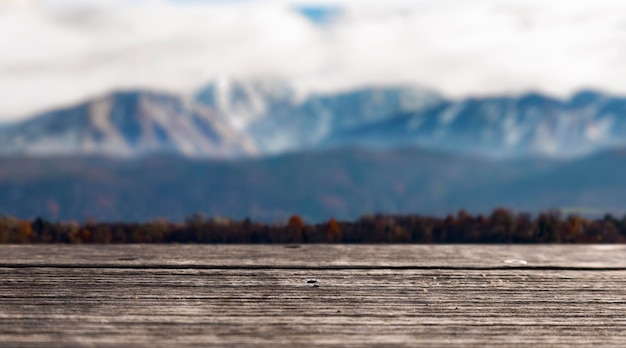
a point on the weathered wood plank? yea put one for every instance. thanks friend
(311, 256)
(84, 306)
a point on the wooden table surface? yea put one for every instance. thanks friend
(258, 295)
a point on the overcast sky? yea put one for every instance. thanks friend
(57, 52)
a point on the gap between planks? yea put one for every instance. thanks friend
(308, 267)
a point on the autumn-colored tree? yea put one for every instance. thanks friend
(296, 221)
(25, 232)
(75, 235)
(333, 231)
(500, 226)
(571, 229)
(85, 236)
(8, 229)
(295, 226)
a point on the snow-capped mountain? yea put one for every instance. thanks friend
(242, 118)
(225, 119)
(282, 119)
(127, 124)
(521, 126)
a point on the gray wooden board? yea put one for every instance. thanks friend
(258, 295)
(318, 256)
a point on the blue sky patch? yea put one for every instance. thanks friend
(319, 14)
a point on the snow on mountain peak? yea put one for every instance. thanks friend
(233, 118)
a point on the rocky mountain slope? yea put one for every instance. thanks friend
(234, 119)
(127, 124)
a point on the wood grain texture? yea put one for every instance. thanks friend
(91, 301)
(318, 256)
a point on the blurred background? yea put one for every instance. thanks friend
(122, 110)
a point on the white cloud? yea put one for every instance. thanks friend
(56, 52)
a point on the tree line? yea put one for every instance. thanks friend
(501, 226)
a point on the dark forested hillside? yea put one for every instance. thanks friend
(345, 184)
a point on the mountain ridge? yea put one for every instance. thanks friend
(256, 118)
